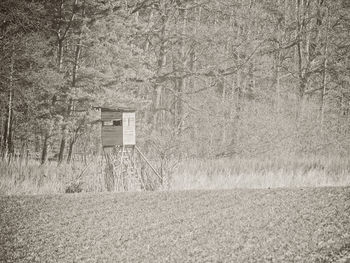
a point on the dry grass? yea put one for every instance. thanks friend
(262, 173)
(18, 177)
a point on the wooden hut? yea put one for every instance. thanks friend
(118, 127)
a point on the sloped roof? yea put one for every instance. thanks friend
(116, 109)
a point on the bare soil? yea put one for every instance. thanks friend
(272, 225)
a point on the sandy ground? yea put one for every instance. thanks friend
(272, 225)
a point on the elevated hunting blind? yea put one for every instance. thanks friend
(126, 167)
(118, 127)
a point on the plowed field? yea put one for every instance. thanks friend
(272, 225)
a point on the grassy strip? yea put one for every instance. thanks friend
(262, 173)
(18, 177)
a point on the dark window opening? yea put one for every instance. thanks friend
(117, 123)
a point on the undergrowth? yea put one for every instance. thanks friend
(309, 171)
(20, 177)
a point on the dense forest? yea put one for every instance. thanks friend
(207, 78)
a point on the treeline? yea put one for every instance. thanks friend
(208, 78)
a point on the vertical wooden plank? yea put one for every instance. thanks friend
(129, 128)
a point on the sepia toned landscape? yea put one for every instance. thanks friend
(174, 131)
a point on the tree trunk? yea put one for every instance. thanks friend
(277, 65)
(7, 130)
(62, 144)
(60, 54)
(71, 102)
(11, 135)
(158, 90)
(278, 84)
(238, 109)
(72, 142)
(2, 133)
(59, 68)
(74, 71)
(45, 148)
(36, 143)
(181, 83)
(299, 51)
(7, 137)
(70, 150)
(324, 75)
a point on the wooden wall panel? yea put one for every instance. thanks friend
(129, 128)
(112, 135)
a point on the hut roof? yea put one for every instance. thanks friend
(116, 109)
